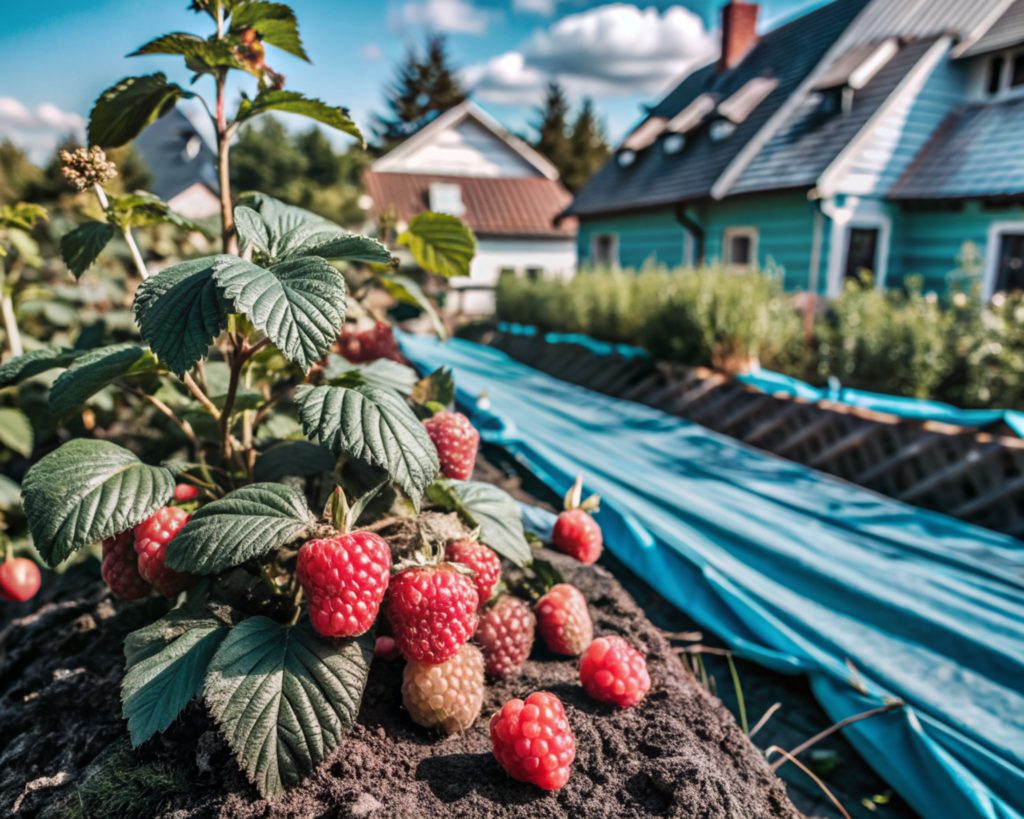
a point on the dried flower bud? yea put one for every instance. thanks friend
(85, 167)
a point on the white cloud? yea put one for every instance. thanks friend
(445, 16)
(612, 50)
(40, 131)
(371, 52)
(542, 7)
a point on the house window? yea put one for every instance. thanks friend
(740, 247)
(721, 129)
(446, 197)
(535, 274)
(862, 255)
(1010, 263)
(604, 249)
(995, 75)
(1017, 71)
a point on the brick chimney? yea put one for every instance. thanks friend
(739, 32)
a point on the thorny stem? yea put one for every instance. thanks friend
(10, 320)
(126, 232)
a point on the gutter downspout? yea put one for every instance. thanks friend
(695, 230)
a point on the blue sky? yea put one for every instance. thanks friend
(623, 54)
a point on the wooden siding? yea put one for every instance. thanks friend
(654, 237)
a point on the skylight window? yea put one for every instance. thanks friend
(741, 105)
(674, 143)
(645, 134)
(626, 158)
(721, 129)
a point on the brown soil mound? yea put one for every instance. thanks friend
(64, 751)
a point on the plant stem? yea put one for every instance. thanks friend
(126, 232)
(10, 320)
(200, 396)
(236, 359)
(228, 236)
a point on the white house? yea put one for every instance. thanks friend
(466, 164)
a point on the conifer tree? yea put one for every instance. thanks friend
(552, 128)
(588, 148)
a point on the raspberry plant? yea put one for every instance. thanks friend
(234, 366)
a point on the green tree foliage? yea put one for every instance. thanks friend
(426, 85)
(300, 168)
(577, 150)
(17, 173)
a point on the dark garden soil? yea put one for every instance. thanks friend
(63, 750)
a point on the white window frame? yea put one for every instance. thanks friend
(614, 236)
(736, 232)
(995, 233)
(858, 213)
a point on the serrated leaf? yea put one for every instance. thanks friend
(86, 491)
(374, 425)
(83, 245)
(437, 388)
(275, 23)
(142, 209)
(92, 371)
(22, 367)
(440, 244)
(407, 291)
(298, 304)
(490, 508)
(284, 697)
(180, 312)
(166, 666)
(245, 524)
(192, 47)
(299, 459)
(380, 373)
(252, 229)
(122, 111)
(16, 431)
(292, 102)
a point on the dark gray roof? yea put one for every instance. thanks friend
(1007, 31)
(788, 53)
(977, 152)
(177, 156)
(805, 144)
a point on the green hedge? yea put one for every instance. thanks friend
(902, 342)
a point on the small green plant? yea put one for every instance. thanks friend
(234, 365)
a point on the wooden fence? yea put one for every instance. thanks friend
(973, 475)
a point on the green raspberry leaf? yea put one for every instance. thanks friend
(180, 312)
(299, 459)
(16, 431)
(492, 509)
(440, 244)
(87, 491)
(93, 371)
(298, 304)
(166, 666)
(15, 370)
(82, 246)
(284, 697)
(292, 102)
(124, 110)
(372, 424)
(380, 373)
(275, 23)
(247, 523)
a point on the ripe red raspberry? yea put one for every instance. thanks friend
(344, 578)
(486, 565)
(564, 621)
(577, 534)
(611, 670)
(185, 492)
(19, 579)
(385, 648)
(446, 696)
(506, 635)
(151, 539)
(360, 346)
(456, 440)
(120, 568)
(432, 611)
(533, 741)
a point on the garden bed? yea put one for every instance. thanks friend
(65, 750)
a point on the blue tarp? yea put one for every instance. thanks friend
(871, 598)
(774, 383)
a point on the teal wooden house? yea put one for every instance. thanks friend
(877, 135)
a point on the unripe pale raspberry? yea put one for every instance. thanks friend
(578, 535)
(611, 670)
(432, 612)
(506, 634)
(151, 539)
(446, 696)
(485, 564)
(533, 741)
(457, 441)
(185, 492)
(563, 620)
(344, 578)
(120, 568)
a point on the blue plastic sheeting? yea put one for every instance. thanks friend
(795, 570)
(774, 383)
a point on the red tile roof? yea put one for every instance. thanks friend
(495, 206)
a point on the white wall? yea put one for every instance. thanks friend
(556, 257)
(468, 149)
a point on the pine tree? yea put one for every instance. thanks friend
(588, 148)
(552, 129)
(424, 87)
